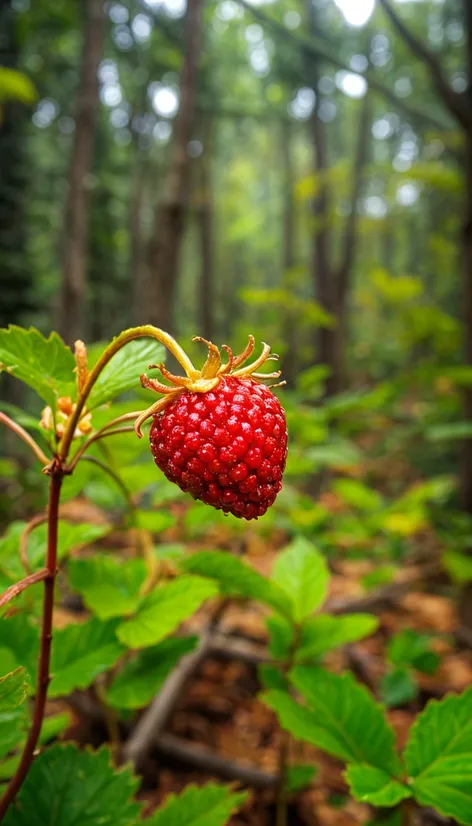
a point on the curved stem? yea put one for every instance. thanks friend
(146, 331)
(37, 520)
(45, 646)
(22, 433)
(22, 585)
(100, 434)
(118, 481)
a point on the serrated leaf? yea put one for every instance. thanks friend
(342, 718)
(298, 777)
(371, 785)
(142, 677)
(13, 689)
(236, 578)
(209, 805)
(164, 609)
(19, 644)
(75, 788)
(80, 653)
(45, 365)
(438, 756)
(109, 586)
(70, 536)
(123, 371)
(302, 573)
(323, 633)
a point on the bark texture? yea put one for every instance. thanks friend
(73, 295)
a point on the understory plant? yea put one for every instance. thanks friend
(220, 435)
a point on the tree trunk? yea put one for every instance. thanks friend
(170, 215)
(15, 274)
(290, 360)
(206, 297)
(72, 305)
(349, 243)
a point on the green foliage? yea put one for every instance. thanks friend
(13, 690)
(324, 633)
(110, 587)
(371, 785)
(357, 495)
(45, 365)
(141, 678)
(236, 578)
(75, 788)
(164, 609)
(399, 687)
(438, 757)
(15, 85)
(458, 565)
(19, 641)
(209, 805)
(298, 777)
(341, 717)
(80, 653)
(302, 573)
(123, 370)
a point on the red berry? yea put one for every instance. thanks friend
(227, 447)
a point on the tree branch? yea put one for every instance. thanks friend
(314, 50)
(450, 98)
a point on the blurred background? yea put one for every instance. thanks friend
(296, 169)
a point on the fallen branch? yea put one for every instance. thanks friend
(194, 755)
(155, 718)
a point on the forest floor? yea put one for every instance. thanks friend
(218, 710)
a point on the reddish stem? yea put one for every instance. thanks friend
(45, 647)
(20, 586)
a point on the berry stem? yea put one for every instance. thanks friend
(22, 585)
(146, 331)
(49, 576)
(26, 438)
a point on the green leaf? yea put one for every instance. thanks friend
(19, 644)
(357, 495)
(75, 788)
(323, 633)
(449, 432)
(438, 756)
(53, 726)
(110, 587)
(155, 521)
(80, 653)
(458, 565)
(399, 687)
(13, 728)
(123, 371)
(16, 85)
(164, 609)
(13, 689)
(45, 365)
(342, 718)
(410, 648)
(299, 777)
(374, 786)
(70, 536)
(142, 677)
(236, 578)
(209, 805)
(281, 633)
(302, 573)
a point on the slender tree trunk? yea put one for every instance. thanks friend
(467, 276)
(72, 307)
(349, 243)
(170, 215)
(205, 215)
(290, 361)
